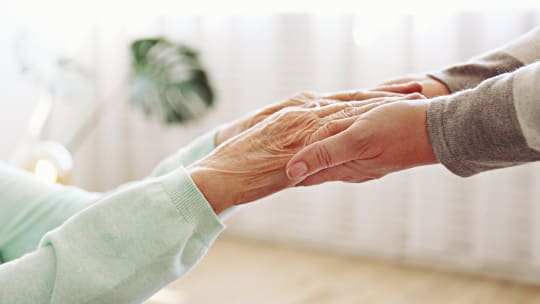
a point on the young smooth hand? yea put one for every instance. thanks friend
(431, 87)
(386, 139)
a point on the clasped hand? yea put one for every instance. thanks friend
(252, 153)
(388, 138)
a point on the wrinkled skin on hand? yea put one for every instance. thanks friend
(302, 99)
(259, 163)
(251, 165)
(310, 100)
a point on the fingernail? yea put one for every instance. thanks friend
(298, 169)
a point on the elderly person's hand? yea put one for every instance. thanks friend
(385, 139)
(311, 99)
(251, 165)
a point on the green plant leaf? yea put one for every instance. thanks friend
(168, 80)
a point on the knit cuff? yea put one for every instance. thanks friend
(438, 139)
(192, 205)
(471, 73)
(478, 129)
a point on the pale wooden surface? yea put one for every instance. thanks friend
(240, 271)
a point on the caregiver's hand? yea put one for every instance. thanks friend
(311, 99)
(251, 165)
(385, 139)
(431, 87)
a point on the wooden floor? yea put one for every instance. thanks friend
(239, 271)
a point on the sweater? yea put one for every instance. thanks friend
(492, 119)
(62, 244)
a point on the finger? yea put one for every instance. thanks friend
(401, 88)
(323, 176)
(337, 173)
(410, 96)
(353, 111)
(358, 95)
(323, 154)
(414, 96)
(371, 103)
(331, 128)
(400, 80)
(317, 103)
(340, 106)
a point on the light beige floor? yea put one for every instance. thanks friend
(239, 271)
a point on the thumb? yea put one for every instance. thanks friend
(320, 155)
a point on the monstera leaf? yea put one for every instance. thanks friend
(169, 81)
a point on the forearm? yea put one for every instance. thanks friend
(494, 125)
(508, 58)
(122, 249)
(30, 208)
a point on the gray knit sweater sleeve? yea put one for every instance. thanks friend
(520, 52)
(494, 125)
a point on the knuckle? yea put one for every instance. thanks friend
(342, 110)
(281, 121)
(323, 132)
(359, 94)
(322, 156)
(349, 112)
(353, 111)
(330, 128)
(289, 114)
(318, 103)
(341, 113)
(311, 138)
(311, 104)
(316, 136)
(305, 94)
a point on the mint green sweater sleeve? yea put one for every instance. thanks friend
(29, 208)
(121, 248)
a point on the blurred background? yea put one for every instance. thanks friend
(69, 85)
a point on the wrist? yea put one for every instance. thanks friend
(215, 189)
(432, 87)
(424, 152)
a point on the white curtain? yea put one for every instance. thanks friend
(488, 224)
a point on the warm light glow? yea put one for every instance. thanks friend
(167, 296)
(46, 171)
